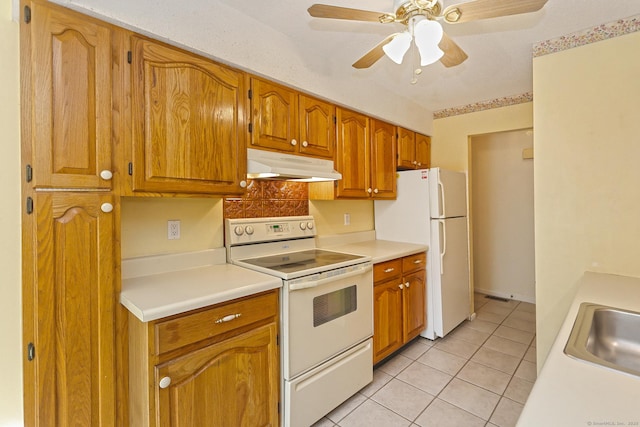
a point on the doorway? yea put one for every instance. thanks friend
(502, 214)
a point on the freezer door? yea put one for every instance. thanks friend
(448, 193)
(449, 274)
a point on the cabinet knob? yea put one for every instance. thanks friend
(243, 184)
(415, 162)
(375, 191)
(407, 284)
(305, 144)
(369, 190)
(294, 142)
(419, 163)
(164, 382)
(106, 175)
(106, 207)
(401, 286)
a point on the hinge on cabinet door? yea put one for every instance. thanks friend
(29, 205)
(277, 339)
(29, 173)
(27, 14)
(335, 120)
(278, 407)
(249, 94)
(250, 127)
(130, 168)
(31, 352)
(129, 57)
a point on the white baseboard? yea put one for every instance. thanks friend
(517, 297)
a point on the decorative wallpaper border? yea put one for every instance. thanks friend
(569, 41)
(484, 105)
(591, 35)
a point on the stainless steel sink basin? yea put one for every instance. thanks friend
(606, 336)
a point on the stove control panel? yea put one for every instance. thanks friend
(258, 230)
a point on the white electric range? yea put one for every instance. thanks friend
(326, 312)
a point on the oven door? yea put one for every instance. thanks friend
(324, 315)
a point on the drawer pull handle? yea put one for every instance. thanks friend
(417, 261)
(228, 318)
(389, 270)
(165, 382)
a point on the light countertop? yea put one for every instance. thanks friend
(160, 286)
(571, 392)
(366, 244)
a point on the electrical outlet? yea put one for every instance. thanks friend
(347, 219)
(173, 229)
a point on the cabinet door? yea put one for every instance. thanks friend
(383, 160)
(353, 154)
(414, 302)
(188, 122)
(67, 92)
(273, 116)
(317, 127)
(423, 151)
(232, 383)
(71, 308)
(387, 319)
(406, 149)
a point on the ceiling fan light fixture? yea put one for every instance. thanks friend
(427, 35)
(397, 47)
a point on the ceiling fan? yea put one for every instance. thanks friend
(420, 17)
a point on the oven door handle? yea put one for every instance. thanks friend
(315, 283)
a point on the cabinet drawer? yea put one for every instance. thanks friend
(201, 325)
(414, 262)
(387, 270)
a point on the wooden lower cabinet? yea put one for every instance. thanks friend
(399, 306)
(196, 369)
(68, 310)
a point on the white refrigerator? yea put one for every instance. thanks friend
(431, 209)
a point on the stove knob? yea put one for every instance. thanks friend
(248, 229)
(303, 226)
(238, 230)
(310, 225)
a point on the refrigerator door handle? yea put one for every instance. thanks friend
(444, 246)
(441, 194)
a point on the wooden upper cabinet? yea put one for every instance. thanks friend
(273, 116)
(66, 68)
(189, 131)
(353, 159)
(383, 155)
(423, 151)
(73, 304)
(317, 127)
(287, 121)
(414, 150)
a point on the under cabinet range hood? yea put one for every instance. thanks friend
(263, 164)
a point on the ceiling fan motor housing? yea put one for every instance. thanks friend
(406, 9)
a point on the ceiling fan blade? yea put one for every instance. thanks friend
(336, 12)
(483, 9)
(370, 58)
(453, 54)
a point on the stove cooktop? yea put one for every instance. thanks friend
(294, 262)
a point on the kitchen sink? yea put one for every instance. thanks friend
(606, 336)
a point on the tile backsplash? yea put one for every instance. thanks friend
(269, 199)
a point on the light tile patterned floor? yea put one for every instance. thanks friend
(478, 375)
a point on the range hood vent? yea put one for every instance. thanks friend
(263, 164)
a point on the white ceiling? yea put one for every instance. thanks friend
(499, 49)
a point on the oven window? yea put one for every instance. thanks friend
(334, 304)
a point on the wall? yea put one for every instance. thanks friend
(587, 147)
(144, 225)
(329, 216)
(10, 290)
(503, 233)
(450, 141)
